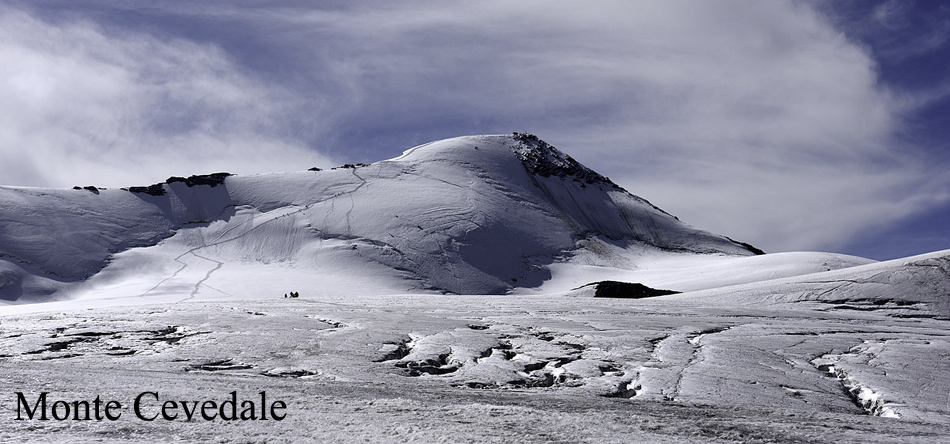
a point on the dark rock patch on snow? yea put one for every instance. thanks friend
(90, 188)
(158, 189)
(152, 190)
(747, 246)
(289, 373)
(544, 160)
(213, 179)
(626, 290)
(221, 365)
(395, 351)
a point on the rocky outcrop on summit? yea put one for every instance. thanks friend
(593, 205)
(543, 160)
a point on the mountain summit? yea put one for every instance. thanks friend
(472, 215)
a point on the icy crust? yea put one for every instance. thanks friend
(466, 367)
(897, 377)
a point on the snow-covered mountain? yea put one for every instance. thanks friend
(178, 287)
(469, 215)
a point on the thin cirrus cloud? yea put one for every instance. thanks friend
(759, 120)
(909, 34)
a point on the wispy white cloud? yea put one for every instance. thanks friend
(894, 30)
(86, 106)
(758, 120)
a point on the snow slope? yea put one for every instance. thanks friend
(470, 215)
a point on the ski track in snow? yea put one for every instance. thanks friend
(218, 240)
(217, 266)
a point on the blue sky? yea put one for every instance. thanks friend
(792, 125)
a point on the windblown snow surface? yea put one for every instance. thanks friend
(444, 298)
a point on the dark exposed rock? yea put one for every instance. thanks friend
(154, 190)
(544, 160)
(158, 189)
(350, 166)
(747, 246)
(626, 290)
(314, 169)
(213, 179)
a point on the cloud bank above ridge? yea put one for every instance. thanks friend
(761, 121)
